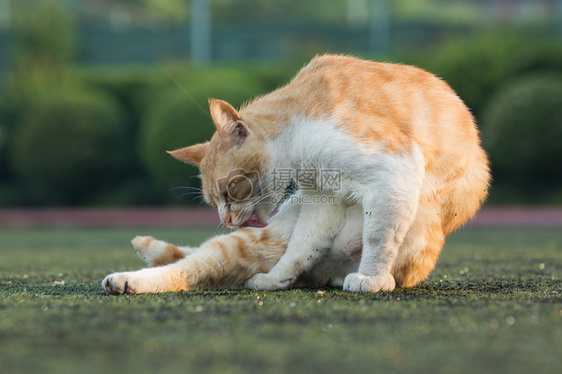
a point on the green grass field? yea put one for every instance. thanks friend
(493, 304)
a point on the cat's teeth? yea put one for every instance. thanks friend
(253, 222)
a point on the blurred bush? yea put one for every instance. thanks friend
(132, 90)
(477, 66)
(68, 147)
(522, 128)
(173, 120)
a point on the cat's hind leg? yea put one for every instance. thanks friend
(156, 252)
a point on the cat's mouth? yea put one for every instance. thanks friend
(253, 221)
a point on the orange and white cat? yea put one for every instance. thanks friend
(406, 167)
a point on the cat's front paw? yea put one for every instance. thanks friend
(129, 283)
(359, 282)
(118, 283)
(267, 282)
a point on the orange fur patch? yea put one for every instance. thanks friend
(170, 254)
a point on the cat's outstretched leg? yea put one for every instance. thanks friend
(390, 205)
(157, 252)
(227, 260)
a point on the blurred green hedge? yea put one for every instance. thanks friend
(522, 132)
(68, 147)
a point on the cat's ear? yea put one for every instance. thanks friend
(192, 154)
(227, 120)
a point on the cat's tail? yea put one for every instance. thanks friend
(463, 191)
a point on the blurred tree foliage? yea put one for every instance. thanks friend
(175, 11)
(442, 12)
(44, 47)
(45, 35)
(241, 11)
(43, 50)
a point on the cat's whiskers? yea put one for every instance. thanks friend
(193, 192)
(186, 187)
(189, 194)
(259, 198)
(256, 200)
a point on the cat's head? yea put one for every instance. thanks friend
(234, 167)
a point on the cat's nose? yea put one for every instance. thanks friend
(227, 219)
(225, 216)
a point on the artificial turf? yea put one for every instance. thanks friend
(493, 304)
